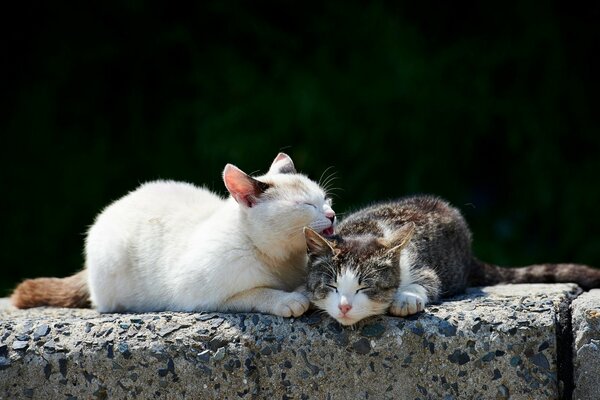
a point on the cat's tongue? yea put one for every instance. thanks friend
(328, 231)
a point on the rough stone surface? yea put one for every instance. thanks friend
(586, 345)
(5, 304)
(492, 343)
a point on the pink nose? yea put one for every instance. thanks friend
(330, 214)
(344, 308)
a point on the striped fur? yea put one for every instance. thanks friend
(407, 271)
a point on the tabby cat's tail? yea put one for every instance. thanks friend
(69, 292)
(486, 274)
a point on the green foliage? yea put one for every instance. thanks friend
(488, 106)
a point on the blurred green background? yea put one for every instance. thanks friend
(488, 104)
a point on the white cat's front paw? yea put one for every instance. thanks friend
(407, 303)
(291, 304)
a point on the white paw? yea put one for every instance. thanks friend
(291, 304)
(407, 303)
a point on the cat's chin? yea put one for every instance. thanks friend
(347, 321)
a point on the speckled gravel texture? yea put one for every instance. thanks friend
(492, 343)
(586, 345)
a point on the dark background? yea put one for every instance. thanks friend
(491, 105)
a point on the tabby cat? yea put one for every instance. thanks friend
(401, 255)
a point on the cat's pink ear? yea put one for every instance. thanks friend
(317, 245)
(282, 164)
(243, 188)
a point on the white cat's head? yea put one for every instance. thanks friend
(278, 205)
(353, 278)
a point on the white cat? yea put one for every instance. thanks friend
(174, 246)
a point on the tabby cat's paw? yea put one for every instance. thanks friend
(291, 304)
(407, 303)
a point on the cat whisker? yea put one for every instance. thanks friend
(323, 174)
(327, 184)
(254, 173)
(329, 181)
(292, 230)
(330, 192)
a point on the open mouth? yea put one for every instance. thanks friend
(328, 231)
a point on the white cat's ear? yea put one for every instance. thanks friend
(401, 238)
(282, 164)
(242, 187)
(317, 244)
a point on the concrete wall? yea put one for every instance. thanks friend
(511, 341)
(586, 345)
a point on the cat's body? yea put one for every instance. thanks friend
(399, 256)
(174, 246)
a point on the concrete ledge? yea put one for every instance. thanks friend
(586, 345)
(495, 342)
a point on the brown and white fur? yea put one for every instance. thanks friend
(174, 246)
(401, 255)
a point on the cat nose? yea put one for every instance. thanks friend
(344, 308)
(330, 215)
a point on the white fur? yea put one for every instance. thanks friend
(346, 294)
(410, 298)
(174, 246)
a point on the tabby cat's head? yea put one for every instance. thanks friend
(353, 278)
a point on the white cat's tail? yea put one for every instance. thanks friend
(71, 292)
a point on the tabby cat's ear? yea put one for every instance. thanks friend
(243, 188)
(317, 245)
(282, 164)
(401, 238)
